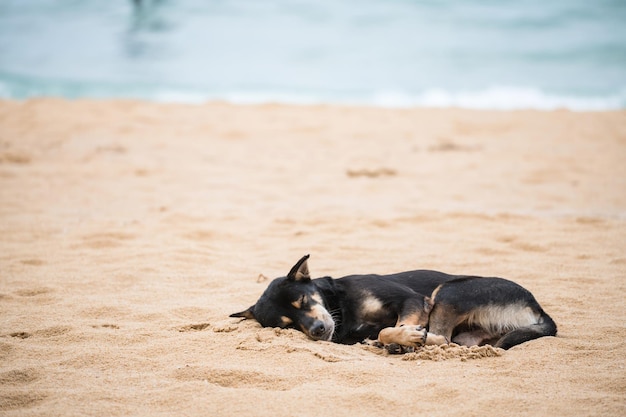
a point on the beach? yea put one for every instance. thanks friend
(130, 230)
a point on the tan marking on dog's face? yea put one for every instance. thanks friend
(286, 321)
(303, 299)
(318, 312)
(317, 298)
(312, 306)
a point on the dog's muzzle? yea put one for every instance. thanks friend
(322, 327)
(321, 331)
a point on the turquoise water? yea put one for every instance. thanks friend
(397, 53)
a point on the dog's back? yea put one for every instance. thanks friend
(421, 281)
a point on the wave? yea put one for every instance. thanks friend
(505, 98)
(492, 98)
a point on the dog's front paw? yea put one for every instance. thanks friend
(373, 343)
(396, 349)
(414, 336)
(406, 335)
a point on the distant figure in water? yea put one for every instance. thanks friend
(140, 3)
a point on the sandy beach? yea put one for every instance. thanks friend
(129, 231)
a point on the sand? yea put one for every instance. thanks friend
(129, 231)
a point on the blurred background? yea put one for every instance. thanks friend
(496, 54)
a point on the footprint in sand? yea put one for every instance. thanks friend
(15, 157)
(21, 399)
(19, 376)
(32, 262)
(45, 333)
(106, 240)
(515, 243)
(448, 145)
(33, 295)
(33, 292)
(194, 327)
(371, 173)
(105, 326)
(20, 335)
(234, 378)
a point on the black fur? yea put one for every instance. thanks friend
(338, 310)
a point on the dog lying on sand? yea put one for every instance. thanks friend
(406, 309)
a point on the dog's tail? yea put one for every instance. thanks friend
(545, 326)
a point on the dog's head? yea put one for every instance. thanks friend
(293, 301)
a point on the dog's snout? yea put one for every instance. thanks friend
(319, 324)
(318, 329)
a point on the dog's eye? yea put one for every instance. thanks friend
(304, 301)
(301, 302)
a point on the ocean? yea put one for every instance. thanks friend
(486, 54)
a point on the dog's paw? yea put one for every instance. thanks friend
(413, 336)
(396, 349)
(373, 343)
(405, 335)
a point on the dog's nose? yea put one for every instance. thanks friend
(318, 329)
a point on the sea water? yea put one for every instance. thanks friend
(498, 54)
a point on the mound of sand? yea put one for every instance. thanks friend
(452, 351)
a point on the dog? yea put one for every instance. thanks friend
(406, 309)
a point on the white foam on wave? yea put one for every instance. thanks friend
(502, 98)
(493, 98)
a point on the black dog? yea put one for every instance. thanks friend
(407, 309)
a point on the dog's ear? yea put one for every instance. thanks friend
(246, 314)
(300, 271)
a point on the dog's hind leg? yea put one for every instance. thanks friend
(545, 327)
(443, 319)
(471, 338)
